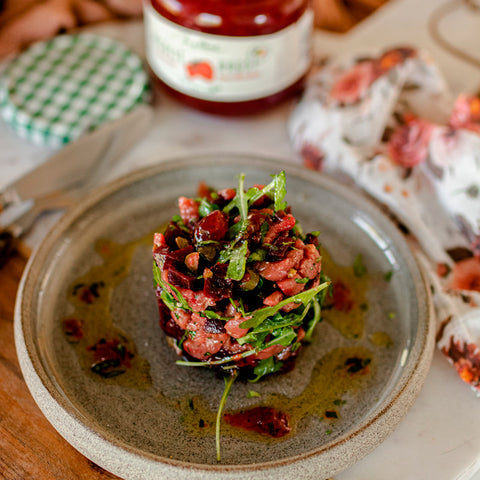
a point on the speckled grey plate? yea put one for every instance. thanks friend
(129, 431)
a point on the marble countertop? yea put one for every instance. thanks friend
(440, 436)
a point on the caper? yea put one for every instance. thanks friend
(249, 280)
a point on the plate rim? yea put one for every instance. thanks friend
(44, 390)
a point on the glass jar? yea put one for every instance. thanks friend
(229, 56)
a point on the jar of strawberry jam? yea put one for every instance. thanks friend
(229, 56)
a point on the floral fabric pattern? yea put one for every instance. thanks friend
(389, 123)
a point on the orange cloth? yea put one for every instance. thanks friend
(23, 22)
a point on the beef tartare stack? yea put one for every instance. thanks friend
(239, 286)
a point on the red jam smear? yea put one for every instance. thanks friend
(238, 20)
(265, 420)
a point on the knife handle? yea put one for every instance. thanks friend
(8, 197)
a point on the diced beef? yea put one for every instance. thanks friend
(311, 264)
(273, 299)
(290, 286)
(188, 210)
(233, 327)
(286, 223)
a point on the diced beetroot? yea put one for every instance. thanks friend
(214, 325)
(217, 285)
(169, 326)
(212, 227)
(181, 279)
(180, 255)
(233, 327)
(278, 249)
(188, 210)
(312, 239)
(273, 299)
(172, 232)
(255, 221)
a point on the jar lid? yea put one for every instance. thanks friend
(58, 89)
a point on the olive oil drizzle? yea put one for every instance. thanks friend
(338, 375)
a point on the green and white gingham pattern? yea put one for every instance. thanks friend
(58, 89)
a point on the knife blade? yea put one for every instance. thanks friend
(81, 159)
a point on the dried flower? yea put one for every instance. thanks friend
(408, 145)
(352, 84)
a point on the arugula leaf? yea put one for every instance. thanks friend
(265, 367)
(210, 314)
(283, 336)
(313, 323)
(157, 274)
(277, 186)
(256, 339)
(238, 260)
(258, 255)
(280, 191)
(262, 314)
(223, 401)
(168, 298)
(240, 201)
(302, 280)
(276, 322)
(206, 207)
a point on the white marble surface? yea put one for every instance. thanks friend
(440, 436)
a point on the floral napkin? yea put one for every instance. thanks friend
(388, 122)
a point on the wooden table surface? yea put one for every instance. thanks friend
(30, 448)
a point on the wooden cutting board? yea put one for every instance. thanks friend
(30, 448)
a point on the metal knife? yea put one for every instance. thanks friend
(81, 160)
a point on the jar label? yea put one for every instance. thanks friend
(223, 68)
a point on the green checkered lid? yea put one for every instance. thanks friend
(57, 90)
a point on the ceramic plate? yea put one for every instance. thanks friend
(156, 419)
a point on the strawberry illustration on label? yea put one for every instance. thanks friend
(200, 69)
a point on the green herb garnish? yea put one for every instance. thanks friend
(223, 401)
(359, 268)
(238, 260)
(205, 207)
(262, 314)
